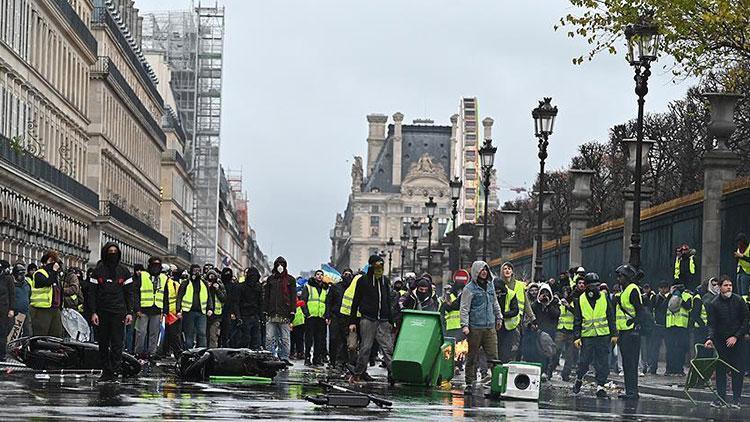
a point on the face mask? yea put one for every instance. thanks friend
(727, 294)
(110, 258)
(154, 269)
(280, 269)
(346, 278)
(713, 289)
(378, 271)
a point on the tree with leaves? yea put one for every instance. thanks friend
(701, 35)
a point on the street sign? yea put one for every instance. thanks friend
(461, 276)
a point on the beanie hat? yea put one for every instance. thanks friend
(507, 263)
(374, 258)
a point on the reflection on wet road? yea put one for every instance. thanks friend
(161, 397)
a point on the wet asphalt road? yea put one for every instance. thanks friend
(159, 396)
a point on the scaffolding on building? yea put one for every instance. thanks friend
(193, 44)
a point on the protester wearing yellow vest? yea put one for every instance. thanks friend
(678, 318)
(564, 337)
(149, 300)
(217, 296)
(595, 329)
(173, 325)
(509, 335)
(316, 326)
(684, 267)
(742, 255)
(192, 304)
(46, 297)
(629, 315)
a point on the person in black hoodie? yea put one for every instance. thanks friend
(247, 310)
(279, 306)
(422, 298)
(231, 290)
(112, 304)
(727, 327)
(7, 303)
(372, 299)
(339, 322)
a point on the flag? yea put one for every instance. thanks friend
(330, 274)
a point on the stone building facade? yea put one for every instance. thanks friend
(46, 51)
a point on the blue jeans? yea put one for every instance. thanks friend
(194, 325)
(277, 337)
(743, 283)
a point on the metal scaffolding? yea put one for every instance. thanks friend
(193, 43)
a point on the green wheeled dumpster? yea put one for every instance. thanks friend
(422, 355)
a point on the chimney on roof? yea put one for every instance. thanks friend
(375, 139)
(398, 119)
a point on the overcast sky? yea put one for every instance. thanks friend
(300, 77)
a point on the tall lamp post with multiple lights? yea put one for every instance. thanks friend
(643, 45)
(390, 245)
(415, 229)
(456, 186)
(404, 246)
(544, 123)
(487, 155)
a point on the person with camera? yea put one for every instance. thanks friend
(630, 317)
(47, 297)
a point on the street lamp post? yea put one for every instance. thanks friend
(544, 123)
(456, 185)
(643, 44)
(487, 155)
(431, 206)
(404, 245)
(415, 228)
(389, 246)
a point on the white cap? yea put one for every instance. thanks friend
(581, 270)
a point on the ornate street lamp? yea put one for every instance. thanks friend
(415, 229)
(431, 206)
(390, 245)
(404, 246)
(487, 156)
(544, 123)
(643, 47)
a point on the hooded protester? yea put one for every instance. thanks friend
(231, 288)
(22, 298)
(217, 296)
(193, 307)
(247, 310)
(594, 329)
(338, 321)
(509, 335)
(149, 300)
(372, 299)
(279, 305)
(451, 309)
(422, 298)
(172, 324)
(630, 315)
(480, 317)
(314, 295)
(46, 297)
(564, 338)
(71, 286)
(7, 303)
(112, 307)
(546, 307)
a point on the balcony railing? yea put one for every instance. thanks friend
(77, 24)
(101, 16)
(111, 209)
(177, 157)
(180, 252)
(42, 170)
(107, 67)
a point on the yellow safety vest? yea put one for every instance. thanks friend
(41, 297)
(625, 310)
(218, 306)
(172, 288)
(566, 319)
(316, 304)
(574, 281)
(150, 296)
(299, 317)
(680, 319)
(453, 318)
(704, 315)
(187, 300)
(594, 321)
(519, 292)
(346, 301)
(744, 266)
(677, 266)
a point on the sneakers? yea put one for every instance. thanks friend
(107, 377)
(577, 386)
(717, 404)
(600, 391)
(735, 405)
(628, 396)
